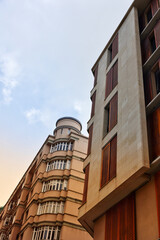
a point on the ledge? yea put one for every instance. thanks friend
(150, 25)
(152, 60)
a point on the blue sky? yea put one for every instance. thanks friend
(47, 48)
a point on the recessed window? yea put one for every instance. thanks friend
(90, 130)
(149, 14)
(61, 130)
(95, 73)
(152, 42)
(86, 171)
(113, 49)
(110, 115)
(93, 99)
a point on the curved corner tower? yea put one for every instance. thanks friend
(45, 203)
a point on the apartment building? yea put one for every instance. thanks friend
(45, 203)
(121, 198)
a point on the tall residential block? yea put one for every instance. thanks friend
(45, 203)
(122, 184)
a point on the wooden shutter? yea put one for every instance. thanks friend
(153, 122)
(105, 165)
(93, 104)
(85, 184)
(90, 138)
(146, 51)
(120, 220)
(115, 75)
(95, 75)
(157, 185)
(157, 33)
(108, 83)
(113, 112)
(115, 46)
(154, 6)
(113, 158)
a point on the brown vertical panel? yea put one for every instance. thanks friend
(115, 46)
(142, 22)
(157, 33)
(108, 83)
(85, 184)
(153, 122)
(105, 165)
(157, 186)
(93, 104)
(146, 51)
(115, 75)
(113, 157)
(90, 139)
(154, 6)
(113, 112)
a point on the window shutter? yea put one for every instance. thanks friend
(90, 139)
(113, 111)
(154, 6)
(115, 46)
(105, 165)
(157, 33)
(146, 52)
(85, 184)
(108, 83)
(120, 220)
(113, 157)
(93, 104)
(153, 121)
(115, 75)
(157, 184)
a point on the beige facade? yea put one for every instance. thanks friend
(45, 203)
(109, 188)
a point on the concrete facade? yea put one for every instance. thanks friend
(45, 203)
(134, 168)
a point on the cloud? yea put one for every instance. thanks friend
(9, 72)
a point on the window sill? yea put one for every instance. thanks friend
(152, 60)
(152, 106)
(106, 183)
(150, 25)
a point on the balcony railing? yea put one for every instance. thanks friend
(61, 146)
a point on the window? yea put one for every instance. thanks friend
(93, 99)
(86, 171)
(152, 83)
(111, 79)
(110, 115)
(149, 14)
(55, 184)
(113, 49)
(61, 130)
(50, 207)
(109, 157)
(46, 233)
(95, 73)
(90, 130)
(120, 220)
(152, 42)
(58, 164)
(61, 146)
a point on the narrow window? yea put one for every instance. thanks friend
(110, 115)
(86, 171)
(93, 99)
(157, 80)
(90, 130)
(149, 14)
(113, 49)
(152, 42)
(109, 159)
(95, 73)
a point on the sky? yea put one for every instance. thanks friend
(47, 50)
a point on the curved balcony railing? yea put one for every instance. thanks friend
(61, 146)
